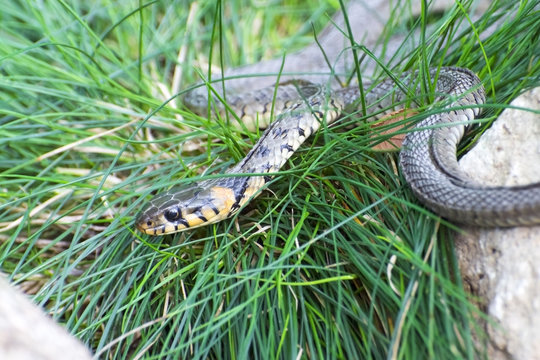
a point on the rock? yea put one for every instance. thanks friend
(26, 333)
(501, 266)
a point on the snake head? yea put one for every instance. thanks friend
(189, 208)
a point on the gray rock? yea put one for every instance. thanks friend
(502, 266)
(26, 333)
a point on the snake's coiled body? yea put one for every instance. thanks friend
(427, 159)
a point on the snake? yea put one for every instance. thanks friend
(427, 158)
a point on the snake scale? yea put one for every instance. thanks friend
(427, 159)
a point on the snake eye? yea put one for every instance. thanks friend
(172, 214)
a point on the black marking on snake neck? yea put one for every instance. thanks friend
(262, 151)
(266, 168)
(239, 193)
(181, 221)
(278, 132)
(213, 208)
(272, 128)
(201, 216)
(287, 147)
(161, 229)
(242, 112)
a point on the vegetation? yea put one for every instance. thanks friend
(335, 260)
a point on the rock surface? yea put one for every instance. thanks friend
(501, 266)
(26, 333)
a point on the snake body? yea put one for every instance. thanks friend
(427, 159)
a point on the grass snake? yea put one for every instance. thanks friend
(427, 159)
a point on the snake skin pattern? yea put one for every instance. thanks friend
(427, 159)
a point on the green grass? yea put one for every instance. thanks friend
(90, 124)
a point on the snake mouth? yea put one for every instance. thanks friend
(160, 229)
(144, 224)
